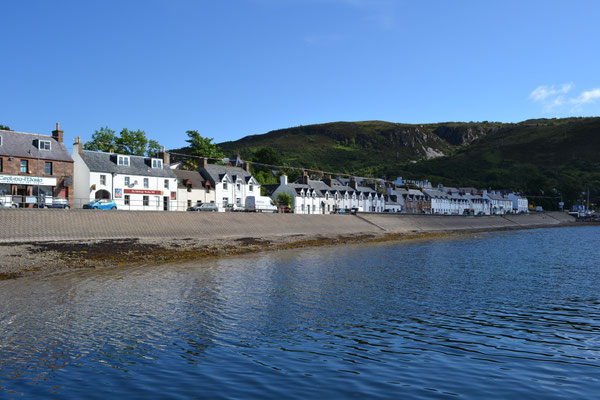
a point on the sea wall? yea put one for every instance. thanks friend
(31, 225)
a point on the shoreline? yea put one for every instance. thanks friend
(25, 259)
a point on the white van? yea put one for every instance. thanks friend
(260, 204)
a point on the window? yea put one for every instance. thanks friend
(189, 203)
(48, 168)
(146, 184)
(146, 200)
(126, 199)
(123, 160)
(302, 207)
(44, 145)
(251, 188)
(238, 201)
(224, 185)
(103, 179)
(166, 183)
(126, 181)
(24, 166)
(238, 187)
(225, 201)
(156, 163)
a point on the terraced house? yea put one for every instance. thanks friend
(34, 168)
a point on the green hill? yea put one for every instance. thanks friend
(360, 147)
(546, 158)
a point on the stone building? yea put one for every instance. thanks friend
(34, 168)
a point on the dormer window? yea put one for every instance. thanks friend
(123, 160)
(44, 145)
(156, 163)
(224, 185)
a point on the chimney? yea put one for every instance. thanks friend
(247, 167)
(165, 156)
(58, 134)
(203, 162)
(353, 183)
(283, 179)
(77, 146)
(304, 177)
(327, 180)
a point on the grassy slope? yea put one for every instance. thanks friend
(359, 147)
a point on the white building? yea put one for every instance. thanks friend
(520, 204)
(192, 189)
(133, 182)
(499, 205)
(231, 184)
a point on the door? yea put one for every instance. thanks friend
(165, 203)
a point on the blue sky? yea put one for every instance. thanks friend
(235, 68)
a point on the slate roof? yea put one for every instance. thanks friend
(21, 145)
(436, 194)
(215, 173)
(138, 165)
(193, 177)
(495, 196)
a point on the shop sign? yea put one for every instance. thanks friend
(142, 191)
(27, 180)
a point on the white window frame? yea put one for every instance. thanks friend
(123, 161)
(127, 181)
(103, 180)
(224, 185)
(44, 145)
(166, 183)
(156, 163)
(146, 183)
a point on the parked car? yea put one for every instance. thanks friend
(102, 204)
(205, 207)
(8, 204)
(260, 204)
(58, 202)
(340, 211)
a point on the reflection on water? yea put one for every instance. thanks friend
(492, 316)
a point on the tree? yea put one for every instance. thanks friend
(128, 142)
(201, 147)
(153, 148)
(267, 155)
(102, 140)
(284, 199)
(4, 128)
(132, 142)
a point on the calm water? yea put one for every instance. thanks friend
(499, 315)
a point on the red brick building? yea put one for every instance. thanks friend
(34, 166)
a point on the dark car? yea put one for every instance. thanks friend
(55, 203)
(205, 207)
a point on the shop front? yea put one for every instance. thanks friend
(26, 190)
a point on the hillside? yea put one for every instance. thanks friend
(360, 146)
(548, 159)
(553, 159)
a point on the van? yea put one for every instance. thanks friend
(260, 204)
